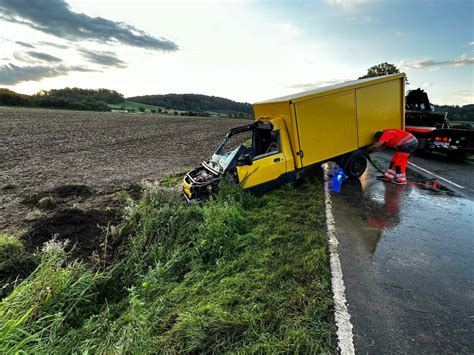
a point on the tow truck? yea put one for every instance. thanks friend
(433, 129)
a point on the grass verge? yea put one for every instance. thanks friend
(237, 274)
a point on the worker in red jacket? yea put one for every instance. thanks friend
(404, 144)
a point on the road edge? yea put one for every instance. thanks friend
(341, 312)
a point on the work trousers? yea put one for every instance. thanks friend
(398, 167)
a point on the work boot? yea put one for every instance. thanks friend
(399, 182)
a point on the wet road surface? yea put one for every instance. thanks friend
(460, 172)
(407, 255)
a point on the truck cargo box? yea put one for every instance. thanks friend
(327, 122)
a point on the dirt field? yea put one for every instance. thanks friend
(75, 161)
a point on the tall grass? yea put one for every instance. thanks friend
(238, 274)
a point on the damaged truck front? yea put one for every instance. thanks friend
(239, 148)
(296, 132)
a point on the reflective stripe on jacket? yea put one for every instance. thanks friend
(395, 138)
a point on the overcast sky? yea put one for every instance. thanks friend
(246, 51)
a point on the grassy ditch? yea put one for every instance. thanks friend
(237, 274)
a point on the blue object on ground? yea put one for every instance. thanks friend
(335, 180)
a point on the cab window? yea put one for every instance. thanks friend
(266, 142)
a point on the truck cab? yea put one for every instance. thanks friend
(257, 155)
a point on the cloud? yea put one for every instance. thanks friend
(403, 34)
(427, 63)
(11, 74)
(51, 44)
(457, 97)
(471, 43)
(104, 58)
(465, 95)
(428, 84)
(55, 17)
(24, 44)
(348, 3)
(287, 28)
(316, 84)
(35, 57)
(359, 19)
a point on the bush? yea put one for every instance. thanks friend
(14, 259)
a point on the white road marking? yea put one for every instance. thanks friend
(343, 318)
(439, 177)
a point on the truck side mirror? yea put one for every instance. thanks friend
(248, 159)
(245, 160)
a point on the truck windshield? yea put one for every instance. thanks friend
(228, 149)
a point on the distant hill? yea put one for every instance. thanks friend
(77, 94)
(195, 102)
(457, 113)
(105, 99)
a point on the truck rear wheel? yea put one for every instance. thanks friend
(354, 165)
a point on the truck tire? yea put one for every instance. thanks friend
(354, 165)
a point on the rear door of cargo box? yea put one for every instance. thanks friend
(380, 106)
(327, 126)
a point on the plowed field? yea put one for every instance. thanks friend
(79, 159)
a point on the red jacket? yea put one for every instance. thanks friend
(394, 138)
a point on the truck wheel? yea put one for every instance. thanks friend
(354, 165)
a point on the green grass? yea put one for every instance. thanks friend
(133, 105)
(237, 274)
(173, 180)
(15, 263)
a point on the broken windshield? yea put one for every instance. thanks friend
(228, 149)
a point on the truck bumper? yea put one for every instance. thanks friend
(199, 189)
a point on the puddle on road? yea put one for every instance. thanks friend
(407, 255)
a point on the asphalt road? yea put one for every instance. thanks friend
(461, 173)
(407, 255)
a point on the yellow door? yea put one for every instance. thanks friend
(264, 169)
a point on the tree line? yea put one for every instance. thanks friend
(67, 98)
(194, 103)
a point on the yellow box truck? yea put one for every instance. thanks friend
(298, 131)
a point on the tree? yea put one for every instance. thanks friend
(381, 69)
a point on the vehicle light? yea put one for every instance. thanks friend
(442, 139)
